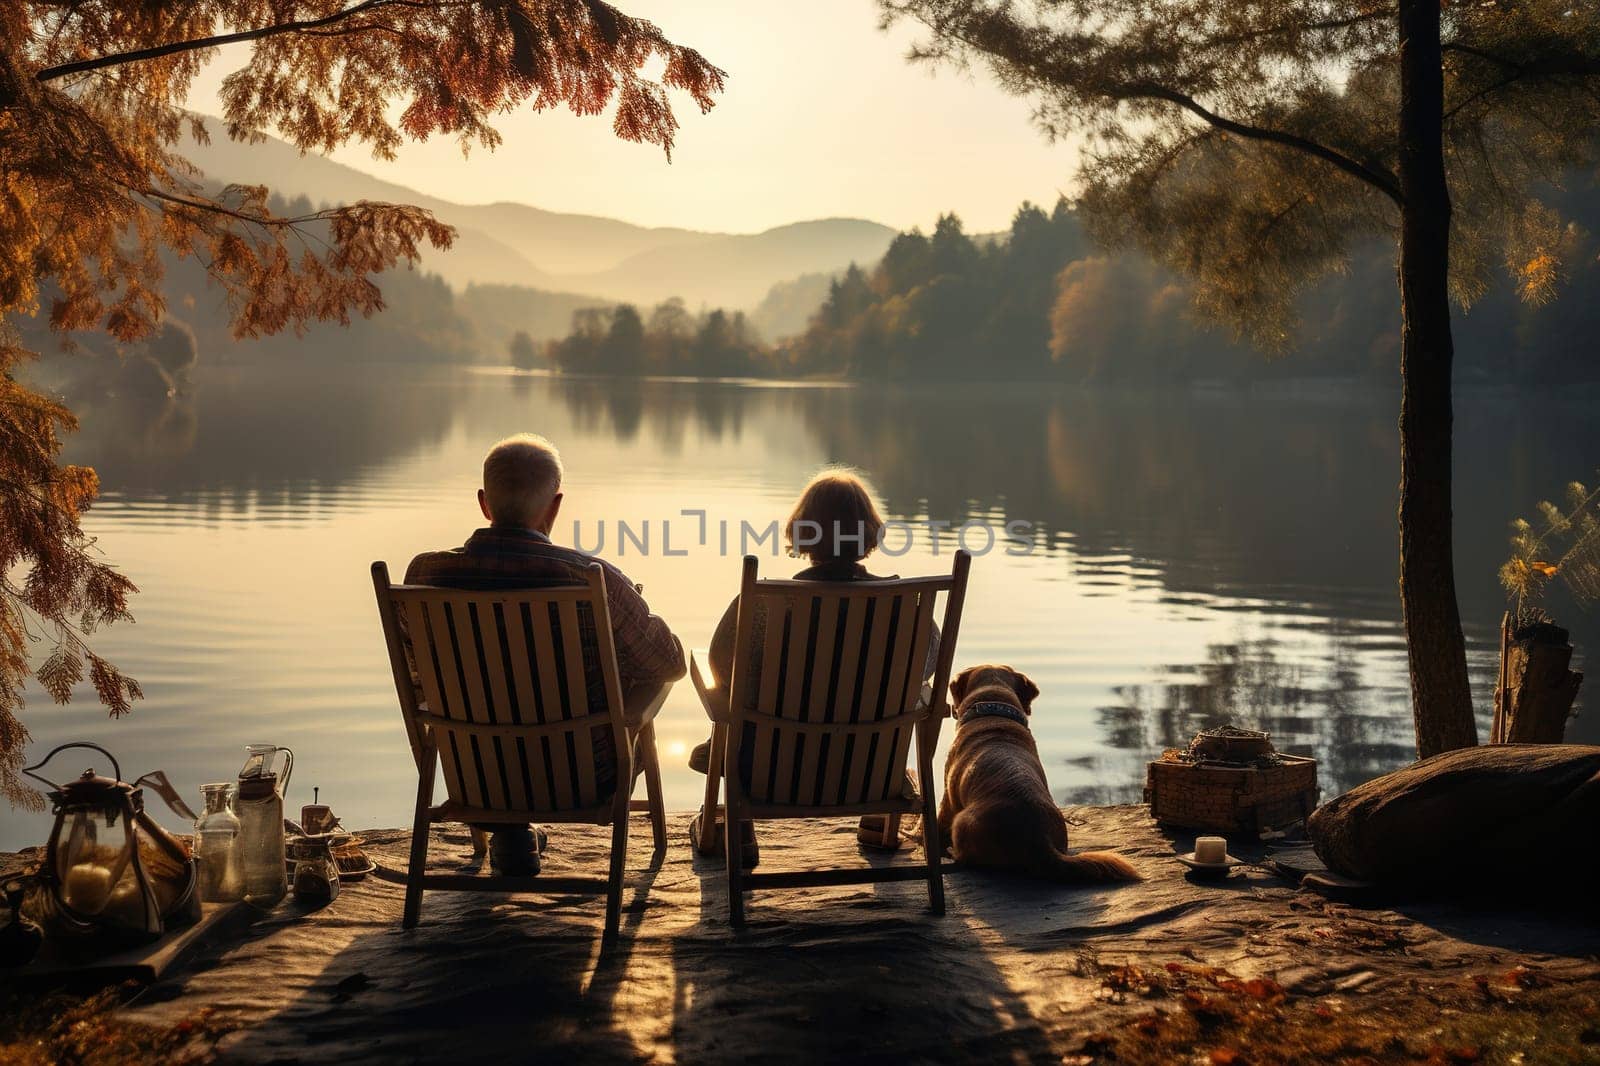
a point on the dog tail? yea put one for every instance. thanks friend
(1088, 866)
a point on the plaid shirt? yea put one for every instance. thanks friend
(503, 558)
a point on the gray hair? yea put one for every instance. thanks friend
(521, 475)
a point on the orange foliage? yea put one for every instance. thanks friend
(93, 190)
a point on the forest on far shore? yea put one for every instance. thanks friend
(1041, 302)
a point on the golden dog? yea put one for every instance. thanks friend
(997, 810)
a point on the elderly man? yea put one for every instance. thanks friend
(521, 497)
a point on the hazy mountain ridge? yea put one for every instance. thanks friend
(517, 244)
(739, 270)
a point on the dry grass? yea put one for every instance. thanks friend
(58, 1029)
(1204, 1015)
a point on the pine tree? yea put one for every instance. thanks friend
(1251, 144)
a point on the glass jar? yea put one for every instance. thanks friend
(316, 875)
(259, 805)
(216, 838)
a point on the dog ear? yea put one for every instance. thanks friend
(1026, 690)
(963, 681)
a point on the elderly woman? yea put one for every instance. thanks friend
(835, 525)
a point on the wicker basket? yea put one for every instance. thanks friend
(1238, 800)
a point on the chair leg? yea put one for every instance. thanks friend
(619, 862)
(732, 838)
(652, 787)
(932, 843)
(707, 844)
(420, 825)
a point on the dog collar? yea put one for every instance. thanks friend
(993, 710)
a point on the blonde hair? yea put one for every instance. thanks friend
(834, 518)
(521, 475)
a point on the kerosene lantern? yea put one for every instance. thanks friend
(109, 868)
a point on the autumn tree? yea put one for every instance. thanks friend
(1251, 144)
(95, 195)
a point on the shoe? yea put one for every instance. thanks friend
(514, 852)
(749, 850)
(700, 758)
(880, 832)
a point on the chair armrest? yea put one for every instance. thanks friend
(642, 703)
(714, 700)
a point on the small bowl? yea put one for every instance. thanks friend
(1209, 869)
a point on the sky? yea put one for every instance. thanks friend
(822, 117)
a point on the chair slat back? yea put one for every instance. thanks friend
(511, 687)
(828, 684)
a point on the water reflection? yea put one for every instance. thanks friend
(1322, 709)
(252, 438)
(1246, 539)
(1224, 501)
(674, 408)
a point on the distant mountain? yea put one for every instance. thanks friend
(515, 244)
(497, 312)
(787, 308)
(738, 271)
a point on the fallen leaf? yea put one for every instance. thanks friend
(1522, 977)
(1256, 988)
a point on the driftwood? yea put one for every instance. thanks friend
(1536, 690)
(1508, 814)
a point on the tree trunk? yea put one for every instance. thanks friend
(1441, 703)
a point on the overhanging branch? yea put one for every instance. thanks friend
(139, 55)
(1383, 182)
(1571, 65)
(212, 207)
(1010, 45)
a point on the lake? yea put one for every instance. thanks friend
(1192, 558)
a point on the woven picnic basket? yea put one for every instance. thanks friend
(1239, 799)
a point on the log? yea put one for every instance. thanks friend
(1518, 814)
(1537, 689)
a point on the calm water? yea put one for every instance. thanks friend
(1197, 557)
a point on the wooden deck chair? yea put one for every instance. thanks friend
(505, 711)
(826, 727)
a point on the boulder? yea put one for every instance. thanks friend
(1498, 814)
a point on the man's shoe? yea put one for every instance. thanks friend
(700, 758)
(513, 852)
(749, 850)
(881, 832)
